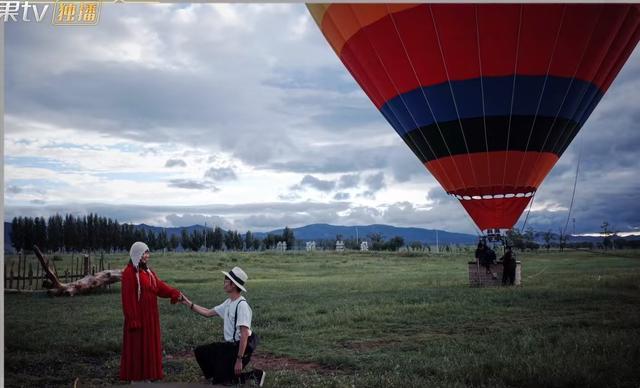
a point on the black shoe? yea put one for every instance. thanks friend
(258, 375)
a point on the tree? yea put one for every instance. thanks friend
(395, 243)
(27, 237)
(288, 237)
(162, 241)
(17, 233)
(174, 241)
(606, 234)
(185, 239)
(196, 240)
(377, 241)
(548, 237)
(562, 240)
(238, 241)
(228, 240)
(416, 245)
(55, 232)
(209, 239)
(40, 232)
(352, 243)
(516, 238)
(270, 241)
(248, 240)
(218, 238)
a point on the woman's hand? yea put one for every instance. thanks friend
(238, 367)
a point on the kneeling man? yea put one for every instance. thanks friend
(223, 362)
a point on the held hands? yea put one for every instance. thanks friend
(184, 300)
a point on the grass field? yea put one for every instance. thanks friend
(374, 319)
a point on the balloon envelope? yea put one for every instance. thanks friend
(488, 96)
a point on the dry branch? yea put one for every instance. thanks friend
(82, 286)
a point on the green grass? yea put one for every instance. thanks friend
(374, 319)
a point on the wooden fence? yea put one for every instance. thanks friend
(29, 274)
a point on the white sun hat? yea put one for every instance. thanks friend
(238, 277)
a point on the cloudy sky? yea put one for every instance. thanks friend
(242, 116)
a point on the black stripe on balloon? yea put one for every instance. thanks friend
(445, 139)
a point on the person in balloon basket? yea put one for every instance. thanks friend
(508, 266)
(480, 251)
(223, 362)
(141, 357)
(485, 257)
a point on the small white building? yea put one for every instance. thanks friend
(311, 246)
(281, 246)
(339, 246)
(364, 246)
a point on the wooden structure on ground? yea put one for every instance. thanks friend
(478, 276)
(43, 274)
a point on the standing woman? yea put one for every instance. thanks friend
(141, 343)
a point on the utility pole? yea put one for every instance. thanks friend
(437, 243)
(205, 236)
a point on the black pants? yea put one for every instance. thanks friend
(486, 264)
(218, 359)
(508, 275)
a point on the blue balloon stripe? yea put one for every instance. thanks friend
(435, 104)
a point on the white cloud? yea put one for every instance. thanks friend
(244, 101)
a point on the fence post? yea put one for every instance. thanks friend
(24, 272)
(109, 268)
(11, 276)
(19, 266)
(86, 265)
(30, 276)
(39, 278)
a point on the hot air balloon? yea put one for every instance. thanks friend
(487, 96)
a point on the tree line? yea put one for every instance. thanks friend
(96, 233)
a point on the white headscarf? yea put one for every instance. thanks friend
(135, 253)
(137, 250)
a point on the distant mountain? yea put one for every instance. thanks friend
(426, 236)
(329, 232)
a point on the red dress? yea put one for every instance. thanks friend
(141, 343)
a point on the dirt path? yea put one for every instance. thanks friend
(268, 361)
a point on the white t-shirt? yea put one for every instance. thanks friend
(227, 310)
